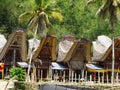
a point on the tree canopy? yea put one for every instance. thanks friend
(77, 18)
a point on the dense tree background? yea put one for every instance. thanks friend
(77, 19)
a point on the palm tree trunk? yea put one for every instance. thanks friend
(32, 52)
(113, 56)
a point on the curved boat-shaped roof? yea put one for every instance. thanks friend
(47, 48)
(15, 47)
(100, 47)
(64, 46)
(79, 54)
(2, 42)
(108, 53)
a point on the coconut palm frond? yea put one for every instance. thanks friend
(32, 24)
(104, 9)
(25, 16)
(90, 2)
(116, 2)
(57, 15)
(118, 13)
(43, 22)
(50, 3)
(39, 2)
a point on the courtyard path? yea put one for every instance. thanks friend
(5, 85)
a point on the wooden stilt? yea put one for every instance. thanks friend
(103, 78)
(75, 77)
(79, 78)
(83, 73)
(38, 73)
(54, 77)
(111, 80)
(72, 76)
(2, 74)
(94, 76)
(107, 77)
(98, 77)
(69, 75)
(63, 76)
(90, 77)
(51, 74)
(41, 74)
(117, 77)
(86, 75)
(47, 73)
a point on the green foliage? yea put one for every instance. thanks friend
(77, 18)
(17, 74)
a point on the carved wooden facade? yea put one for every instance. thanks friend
(46, 53)
(106, 60)
(79, 54)
(15, 49)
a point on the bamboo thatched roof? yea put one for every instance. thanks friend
(100, 46)
(16, 40)
(46, 49)
(64, 45)
(2, 42)
(79, 54)
(108, 53)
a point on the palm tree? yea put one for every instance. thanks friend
(38, 16)
(109, 9)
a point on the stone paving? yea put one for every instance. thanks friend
(5, 85)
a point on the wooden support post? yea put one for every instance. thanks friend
(90, 77)
(103, 78)
(14, 57)
(72, 76)
(69, 75)
(86, 75)
(51, 74)
(112, 81)
(117, 77)
(54, 77)
(82, 73)
(63, 76)
(38, 73)
(2, 74)
(79, 77)
(41, 74)
(107, 77)
(47, 73)
(75, 77)
(98, 77)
